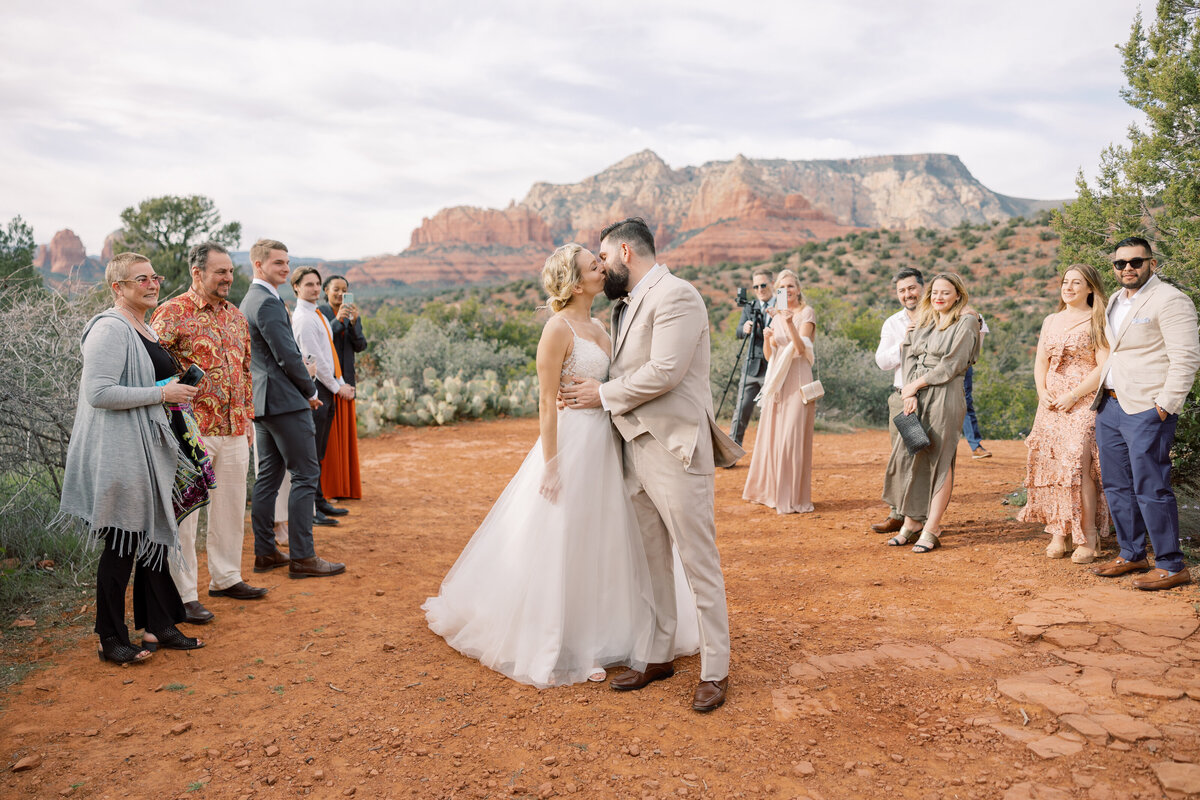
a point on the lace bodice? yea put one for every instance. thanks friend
(587, 359)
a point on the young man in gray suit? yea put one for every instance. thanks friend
(1155, 353)
(660, 399)
(284, 397)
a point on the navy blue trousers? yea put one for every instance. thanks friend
(1135, 465)
(971, 422)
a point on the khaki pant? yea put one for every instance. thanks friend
(676, 506)
(226, 521)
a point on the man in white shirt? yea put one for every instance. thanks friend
(910, 285)
(315, 339)
(1155, 352)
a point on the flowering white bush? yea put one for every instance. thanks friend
(444, 401)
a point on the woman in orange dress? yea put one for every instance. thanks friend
(339, 470)
(781, 466)
(1062, 478)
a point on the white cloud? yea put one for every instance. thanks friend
(338, 128)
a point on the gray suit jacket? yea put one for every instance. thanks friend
(659, 380)
(281, 382)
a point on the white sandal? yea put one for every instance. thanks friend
(598, 676)
(928, 541)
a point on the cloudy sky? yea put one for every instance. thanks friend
(337, 126)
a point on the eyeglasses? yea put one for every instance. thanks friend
(1136, 263)
(761, 285)
(144, 280)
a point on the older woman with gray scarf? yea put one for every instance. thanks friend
(121, 465)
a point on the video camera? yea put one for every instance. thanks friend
(742, 298)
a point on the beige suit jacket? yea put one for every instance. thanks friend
(659, 378)
(1155, 354)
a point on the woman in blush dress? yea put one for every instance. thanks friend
(781, 466)
(937, 352)
(1062, 477)
(554, 585)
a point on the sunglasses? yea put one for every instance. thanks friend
(1136, 263)
(761, 285)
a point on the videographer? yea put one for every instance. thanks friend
(754, 320)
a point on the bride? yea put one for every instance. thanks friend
(554, 586)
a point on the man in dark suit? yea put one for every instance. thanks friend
(754, 319)
(284, 396)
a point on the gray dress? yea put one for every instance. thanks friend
(942, 358)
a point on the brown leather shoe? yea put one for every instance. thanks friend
(314, 567)
(710, 695)
(197, 614)
(889, 525)
(270, 561)
(1161, 579)
(1119, 566)
(631, 679)
(239, 591)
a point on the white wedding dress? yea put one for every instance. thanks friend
(547, 592)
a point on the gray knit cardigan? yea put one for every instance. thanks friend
(122, 456)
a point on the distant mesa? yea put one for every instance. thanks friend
(740, 210)
(65, 260)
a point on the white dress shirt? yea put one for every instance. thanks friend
(315, 338)
(891, 339)
(1116, 318)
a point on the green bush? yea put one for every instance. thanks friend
(856, 389)
(450, 350)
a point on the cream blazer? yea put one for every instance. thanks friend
(659, 378)
(1155, 354)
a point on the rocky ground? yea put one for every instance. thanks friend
(980, 670)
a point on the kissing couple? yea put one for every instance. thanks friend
(601, 551)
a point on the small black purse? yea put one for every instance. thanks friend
(911, 431)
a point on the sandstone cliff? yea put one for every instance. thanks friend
(65, 258)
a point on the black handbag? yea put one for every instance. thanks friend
(911, 431)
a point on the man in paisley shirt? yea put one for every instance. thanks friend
(202, 327)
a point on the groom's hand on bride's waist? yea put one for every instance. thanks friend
(581, 393)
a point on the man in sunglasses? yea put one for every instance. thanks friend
(754, 320)
(1155, 352)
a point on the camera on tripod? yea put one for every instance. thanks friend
(742, 298)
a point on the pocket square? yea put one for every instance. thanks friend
(1141, 321)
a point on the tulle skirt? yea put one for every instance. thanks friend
(547, 592)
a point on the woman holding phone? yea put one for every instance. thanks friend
(781, 465)
(339, 469)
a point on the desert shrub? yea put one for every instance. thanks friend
(1005, 402)
(442, 401)
(856, 389)
(450, 350)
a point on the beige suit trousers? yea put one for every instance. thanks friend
(674, 505)
(226, 522)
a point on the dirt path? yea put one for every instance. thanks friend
(981, 670)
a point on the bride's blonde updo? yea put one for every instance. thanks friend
(561, 274)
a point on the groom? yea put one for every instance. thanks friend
(661, 404)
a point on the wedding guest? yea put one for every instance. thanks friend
(752, 325)
(202, 327)
(1151, 329)
(1062, 477)
(781, 465)
(937, 352)
(339, 468)
(315, 339)
(121, 465)
(971, 430)
(889, 355)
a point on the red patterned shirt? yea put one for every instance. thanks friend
(216, 339)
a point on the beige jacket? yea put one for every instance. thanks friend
(1155, 354)
(659, 378)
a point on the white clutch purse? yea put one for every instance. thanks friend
(812, 391)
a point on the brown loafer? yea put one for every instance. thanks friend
(270, 561)
(1161, 579)
(631, 679)
(197, 614)
(1119, 566)
(239, 591)
(314, 567)
(710, 695)
(889, 525)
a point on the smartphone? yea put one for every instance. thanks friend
(781, 299)
(348, 299)
(192, 376)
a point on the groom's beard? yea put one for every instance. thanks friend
(616, 282)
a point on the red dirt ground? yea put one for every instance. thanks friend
(858, 670)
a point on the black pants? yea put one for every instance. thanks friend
(156, 602)
(749, 386)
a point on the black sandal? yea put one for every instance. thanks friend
(171, 639)
(114, 650)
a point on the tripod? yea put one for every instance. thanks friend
(755, 330)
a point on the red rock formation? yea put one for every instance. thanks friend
(113, 244)
(515, 226)
(64, 253)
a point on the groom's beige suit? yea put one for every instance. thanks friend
(661, 404)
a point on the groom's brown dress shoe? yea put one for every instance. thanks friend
(1119, 566)
(710, 695)
(889, 525)
(314, 567)
(197, 614)
(239, 591)
(1161, 579)
(631, 679)
(270, 561)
